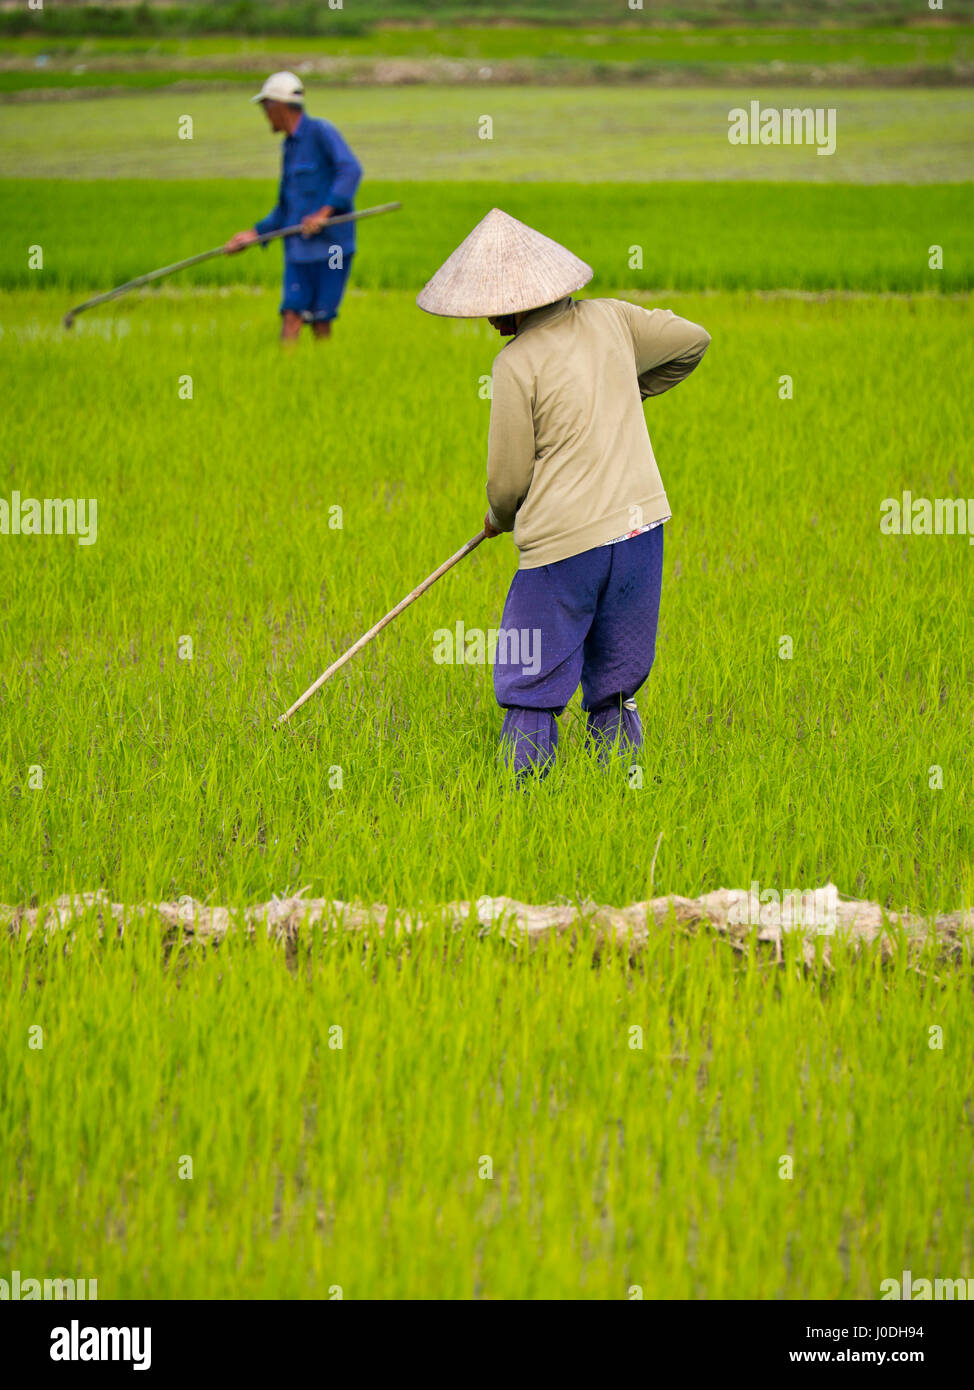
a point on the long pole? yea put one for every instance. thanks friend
(394, 613)
(72, 314)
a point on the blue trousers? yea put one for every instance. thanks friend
(314, 289)
(590, 618)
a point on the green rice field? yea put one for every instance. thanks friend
(456, 1116)
(580, 53)
(458, 1122)
(759, 236)
(563, 134)
(213, 523)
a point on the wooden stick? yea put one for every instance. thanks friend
(218, 251)
(393, 613)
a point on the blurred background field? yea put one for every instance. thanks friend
(731, 236)
(482, 56)
(77, 48)
(297, 17)
(565, 134)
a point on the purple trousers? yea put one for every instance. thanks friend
(590, 618)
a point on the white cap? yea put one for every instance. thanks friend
(282, 86)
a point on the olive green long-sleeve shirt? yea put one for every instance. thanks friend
(569, 461)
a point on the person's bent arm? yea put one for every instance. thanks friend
(510, 447)
(667, 348)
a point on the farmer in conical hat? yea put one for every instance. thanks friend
(571, 473)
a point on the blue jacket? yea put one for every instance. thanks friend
(317, 169)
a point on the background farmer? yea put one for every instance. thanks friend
(319, 176)
(571, 471)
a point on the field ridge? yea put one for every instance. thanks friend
(857, 922)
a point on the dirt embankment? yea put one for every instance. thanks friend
(817, 919)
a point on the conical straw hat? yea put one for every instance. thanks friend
(503, 267)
